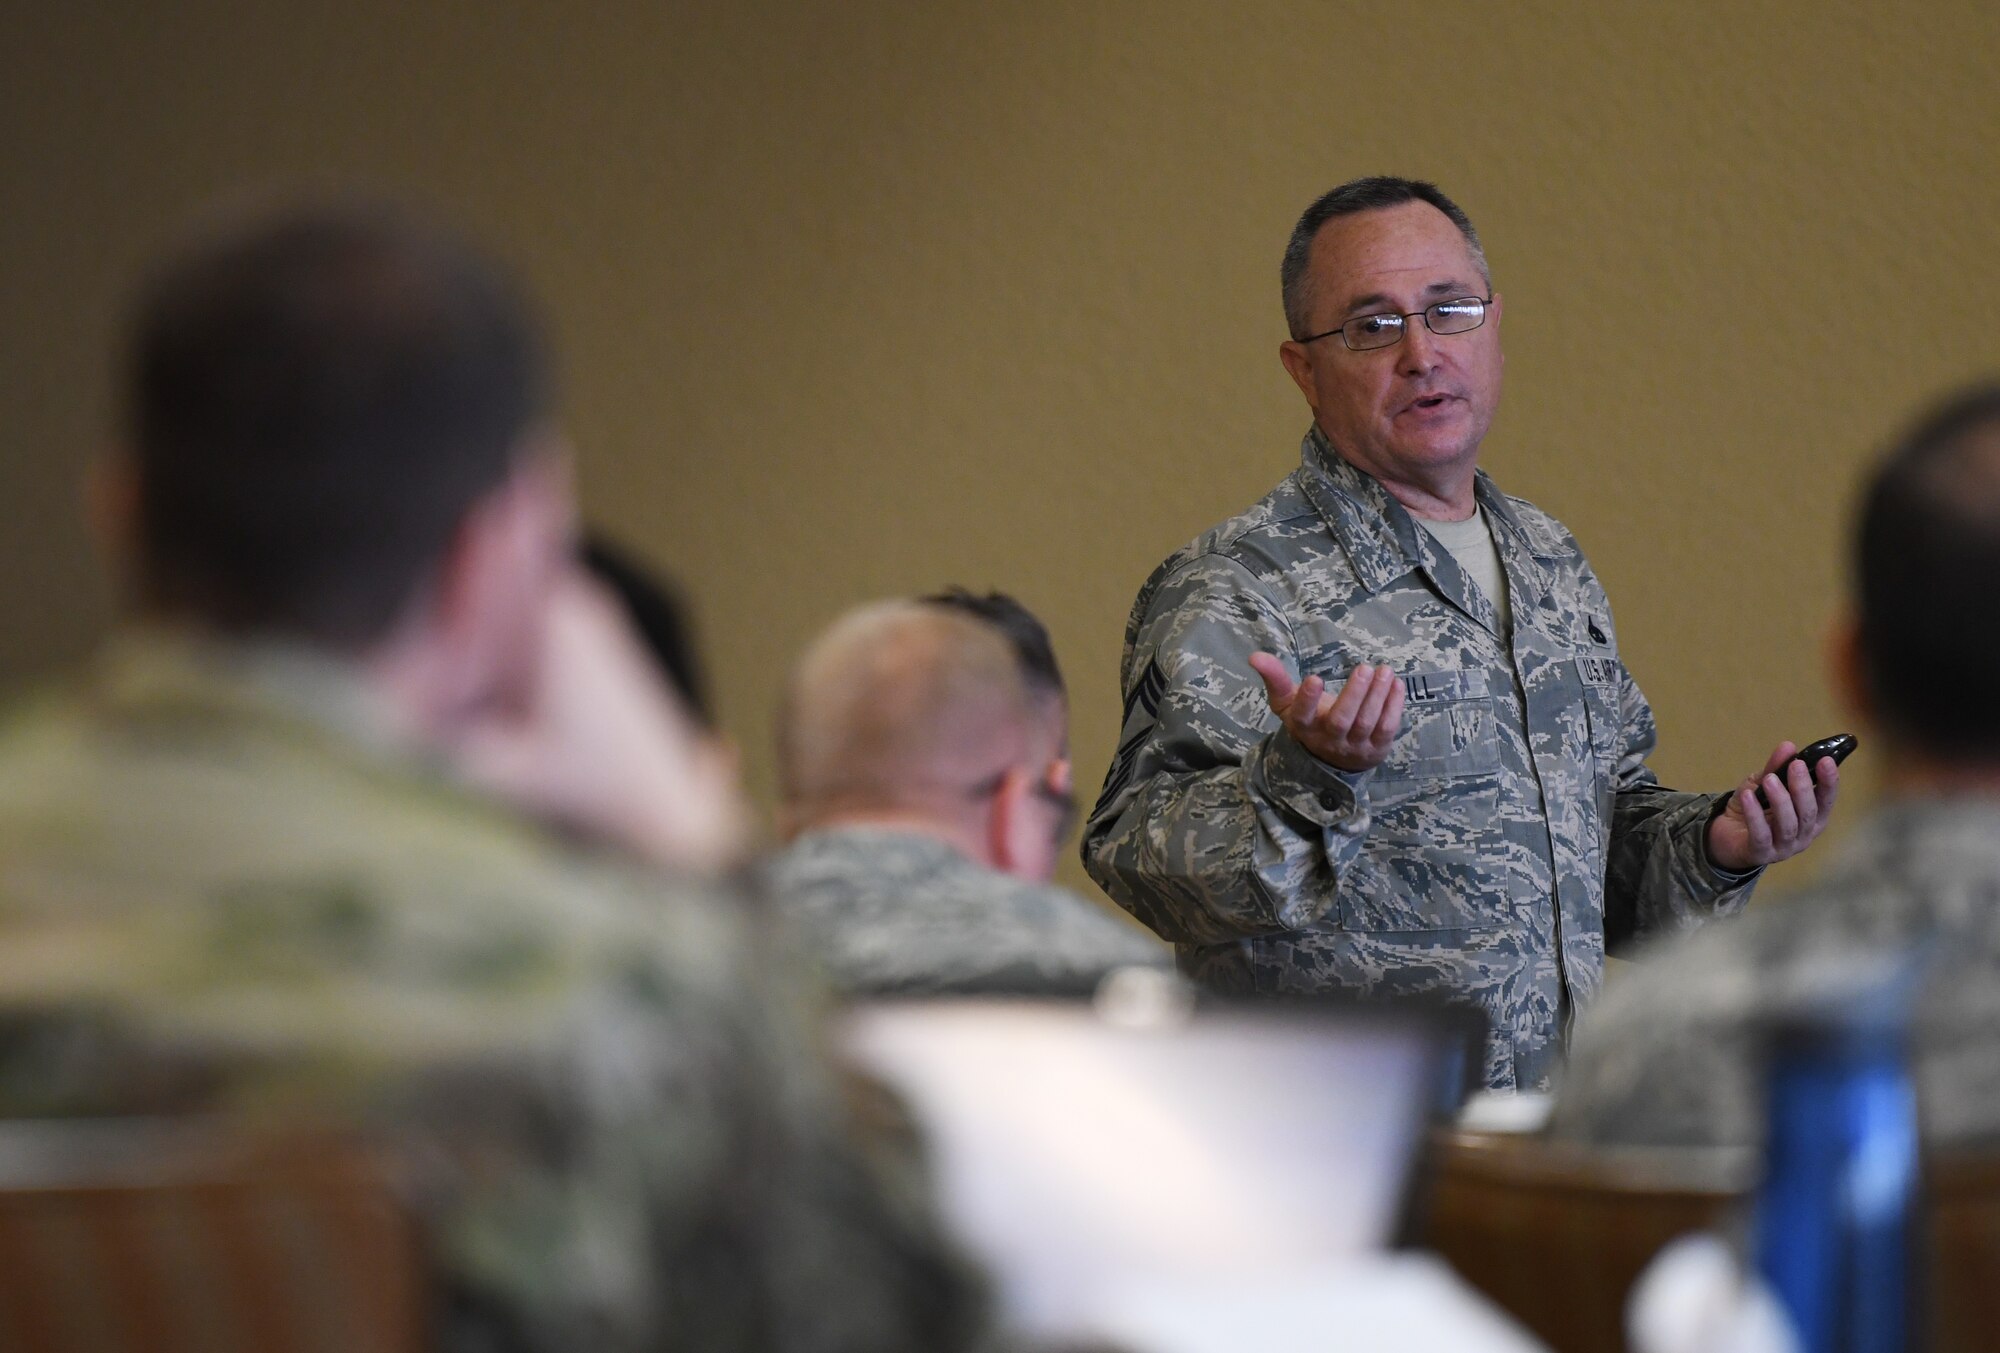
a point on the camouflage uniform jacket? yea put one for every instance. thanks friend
(1514, 828)
(895, 910)
(1670, 1056)
(224, 888)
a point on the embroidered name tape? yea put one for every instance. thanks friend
(1464, 683)
(1598, 671)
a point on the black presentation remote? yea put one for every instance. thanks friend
(1838, 747)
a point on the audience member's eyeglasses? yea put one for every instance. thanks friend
(1363, 332)
(1062, 800)
(1064, 803)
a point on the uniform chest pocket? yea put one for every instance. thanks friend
(1433, 859)
(1449, 727)
(1601, 710)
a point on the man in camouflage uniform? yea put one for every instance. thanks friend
(924, 754)
(243, 869)
(1671, 1055)
(1377, 735)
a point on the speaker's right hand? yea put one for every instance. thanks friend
(1352, 731)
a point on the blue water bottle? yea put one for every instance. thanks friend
(1835, 1217)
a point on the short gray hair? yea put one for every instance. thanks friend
(904, 703)
(1358, 195)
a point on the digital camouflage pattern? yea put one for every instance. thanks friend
(888, 910)
(1672, 1057)
(1513, 830)
(224, 888)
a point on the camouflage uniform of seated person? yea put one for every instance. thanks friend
(924, 750)
(252, 860)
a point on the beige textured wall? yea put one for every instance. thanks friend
(862, 298)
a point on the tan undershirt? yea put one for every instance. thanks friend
(1471, 544)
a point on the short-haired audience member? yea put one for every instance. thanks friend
(243, 869)
(923, 750)
(1671, 1054)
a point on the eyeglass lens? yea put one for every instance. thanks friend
(1446, 317)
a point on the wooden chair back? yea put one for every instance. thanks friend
(131, 1238)
(1557, 1235)
(1961, 1258)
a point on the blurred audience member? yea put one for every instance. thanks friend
(924, 759)
(1670, 1055)
(659, 615)
(715, 816)
(242, 869)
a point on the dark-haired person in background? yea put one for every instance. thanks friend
(660, 616)
(252, 861)
(924, 761)
(1670, 1056)
(707, 801)
(1377, 734)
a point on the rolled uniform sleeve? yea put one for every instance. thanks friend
(1214, 823)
